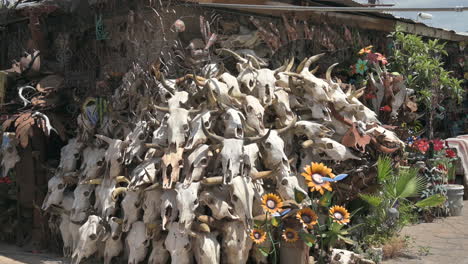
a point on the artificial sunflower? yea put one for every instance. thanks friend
(307, 217)
(367, 49)
(339, 214)
(313, 175)
(271, 202)
(258, 236)
(290, 235)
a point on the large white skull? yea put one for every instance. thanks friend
(206, 248)
(89, 241)
(282, 107)
(233, 120)
(113, 243)
(137, 243)
(236, 243)
(312, 129)
(178, 128)
(265, 86)
(106, 195)
(69, 155)
(145, 172)
(178, 244)
(197, 136)
(93, 163)
(333, 150)
(114, 154)
(217, 201)
(9, 153)
(172, 162)
(242, 195)
(131, 205)
(196, 163)
(254, 114)
(187, 202)
(136, 140)
(56, 187)
(81, 203)
(169, 210)
(230, 81)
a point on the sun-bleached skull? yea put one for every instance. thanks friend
(264, 88)
(312, 85)
(172, 163)
(137, 243)
(247, 79)
(333, 150)
(206, 248)
(230, 81)
(197, 136)
(93, 163)
(187, 202)
(68, 230)
(89, 240)
(159, 254)
(217, 200)
(178, 244)
(69, 156)
(145, 173)
(233, 120)
(152, 208)
(114, 154)
(160, 134)
(9, 153)
(107, 192)
(81, 203)
(254, 114)
(196, 163)
(312, 129)
(178, 128)
(113, 243)
(131, 205)
(282, 107)
(385, 137)
(236, 243)
(136, 139)
(251, 154)
(56, 187)
(288, 185)
(242, 194)
(178, 100)
(169, 210)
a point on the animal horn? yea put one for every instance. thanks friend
(256, 63)
(290, 64)
(117, 191)
(161, 108)
(93, 181)
(301, 65)
(293, 74)
(314, 70)
(212, 136)
(164, 83)
(308, 143)
(104, 138)
(153, 187)
(117, 220)
(282, 130)
(120, 179)
(238, 96)
(261, 174)
(237, 56)
(250, 140)
(312, 60)
(357, 93)
(329, 71)
(212, 180)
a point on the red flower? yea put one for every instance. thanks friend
(386, 108)
(438, 144)
(441, 167)
(421, 145)
(450, 153)
(377, 57)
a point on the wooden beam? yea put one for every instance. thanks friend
(426, 31)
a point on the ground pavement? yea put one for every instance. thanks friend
(443, 242)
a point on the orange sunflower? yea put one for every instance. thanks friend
(258, 236)
(271, 202)
(339, 214)
(367, 49)
(307, 217)
(313, 175)
(290, 235)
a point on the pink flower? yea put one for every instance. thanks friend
(421, 145)
(438, 144)
(450, 153)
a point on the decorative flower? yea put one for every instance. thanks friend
(290, 235)
(367, 49)
(307, 217)
(421, 145)
(313, 175)
(361, 66)
(353, 69)
(411, 140)
(438, 144)
(339, 214)
(386, 108)
(258, 236)
(376, 58)
(450, 153)
(441, 167)
(271, 202)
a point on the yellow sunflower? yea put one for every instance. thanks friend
(367, 49)
(290, 235)
(271, 202)
(307, 217)
(339, 214)
(258, 236)
(313, 175)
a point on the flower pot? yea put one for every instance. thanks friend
(297, 253)
(455, 198)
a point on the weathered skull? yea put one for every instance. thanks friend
(187, 202)
(172, 163)
(113, 243)
(206, 248)
(233, 121)
(69, 155)
(254, 113)
(114, 154)
(106, 195)
(81, 203)
(9, 153)
(178, 128)
(145, 173)
(56, 187)
(217, 201)
(242, 195)
(159, 254)
(93, 163)
(131, 206)
(177, 100)
(89, 241)
(312, 129)
(333, 150)
(178, 244)
(230, 81)
(314, 86)
(236, 243)
(287, 186)
(248, 79)
(136, 140)
(169, 210)
(196, 134)
(265, 86)
(137, 243)
(152, 208)
(282, 107)
(385, 137)
(197, 161)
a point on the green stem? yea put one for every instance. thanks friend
(274, 247)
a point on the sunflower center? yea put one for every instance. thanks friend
(290, 235)
(271, 204)
(306, 218)
(317, 178)
(338, 216)
(257, 235)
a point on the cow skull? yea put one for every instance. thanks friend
(89, 241)
(131, 205)
(217, 201)
(113, 243)
(187, 202)
(81, 203)
(197, 161)
(169, 209)
(172, 164)
(9, 153)
(178, 244)
(137, 243)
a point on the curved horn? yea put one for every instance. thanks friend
(161, 108)
(308, 143)
(164, 83)
(312, 60)
(120, 179)
(153, 187)
(284, 129)
(238, 96)
(212, 180)
(212, 136)
(47, 122)
(117, 191)
(256, 63)
(290, 64)
(293, 74)
(20, 94)
(117, 220)
(301, 65)
(314, 70)
(104, 138)
(261, 174)
(93, 181)
(250, 140)
(329, 71)
(237, 56)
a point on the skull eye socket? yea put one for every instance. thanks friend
(9, 149)
(76, 155)
(166, 117)
(114, 122)
(267, 145)
(86, 193)
(185, 127)
(61, 186)
(181, 163)
(206, 123)
(204, 161)
(251, 83)
(195, 202)
(235, 198)
(119, 159)
(141, 136)
(249, 109)
(99, 163)
(167, 96)
(284, 182)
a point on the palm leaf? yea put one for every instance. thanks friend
(431, 201)
(373, 200)
(409, 184)
(384, 168)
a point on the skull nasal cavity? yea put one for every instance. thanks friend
(169, 170)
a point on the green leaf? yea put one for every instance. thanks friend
(299, 196)
(263, 251)
(325, 200)
(275, 221)
(309, 239)
(384, 168)
(346, 240)
(431, 201)
(409, 184)
(373, 200)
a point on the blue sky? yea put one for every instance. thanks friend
(457, 21)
